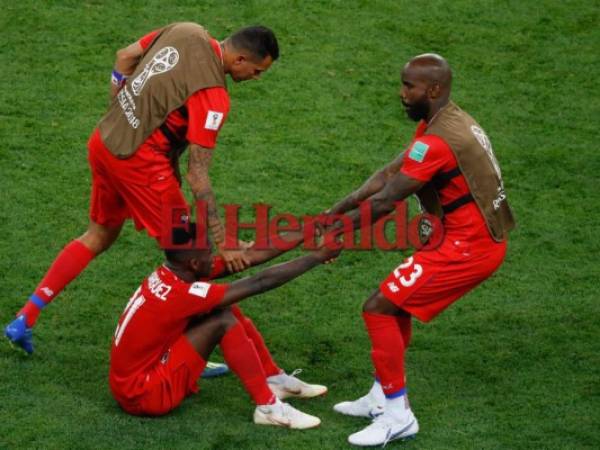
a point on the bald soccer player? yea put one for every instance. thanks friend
(451, 168)
(169, 91)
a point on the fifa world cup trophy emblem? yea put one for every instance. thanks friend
(164, 60)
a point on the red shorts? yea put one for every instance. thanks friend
(139, 187)
(426, 283)
(166, 384)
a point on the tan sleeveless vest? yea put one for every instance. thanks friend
(477, 163)
(179, 62)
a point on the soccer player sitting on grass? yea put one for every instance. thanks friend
(282, 384)
(173, 322)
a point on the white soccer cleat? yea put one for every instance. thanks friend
(284, 386)
(284, 415)
(363, 407)
(385, 429)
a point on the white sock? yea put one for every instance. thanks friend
(271, 405)
(397, 407)
(376, 393)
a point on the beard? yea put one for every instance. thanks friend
(419, 110)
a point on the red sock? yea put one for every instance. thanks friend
(387, 352)
(69, 263)
(241, 356)
(269, 365)
(404, 321)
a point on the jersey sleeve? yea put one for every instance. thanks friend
(146, 40)
(199, 297)
(218, 267)
(207, 112)
(425, 157)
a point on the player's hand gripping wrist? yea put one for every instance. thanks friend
(235, 260)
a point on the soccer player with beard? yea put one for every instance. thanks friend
(451, 167)
(134, 151)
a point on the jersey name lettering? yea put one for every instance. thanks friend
(157, 287)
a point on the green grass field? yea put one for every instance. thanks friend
(514, 365)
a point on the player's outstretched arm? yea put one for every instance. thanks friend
(397, 188)
(373, 185)
(197, 177)
(276, 276)
(257, 256)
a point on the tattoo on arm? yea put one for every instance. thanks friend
(198, 178)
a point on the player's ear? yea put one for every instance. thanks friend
(195, 264)
(434, 90)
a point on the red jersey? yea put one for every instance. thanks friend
(155, 317)
(428, 156)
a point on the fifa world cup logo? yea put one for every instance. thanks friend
(164, 60)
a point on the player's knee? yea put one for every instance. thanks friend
(226, 319)
(378, 304)
(369, 306)
(229, 318)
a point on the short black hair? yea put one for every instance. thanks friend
(180, 236)
(258, 40)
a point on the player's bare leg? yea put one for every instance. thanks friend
(68, 264)
(205, 332)
(223, 328)
(99, 238)
(387, 340)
